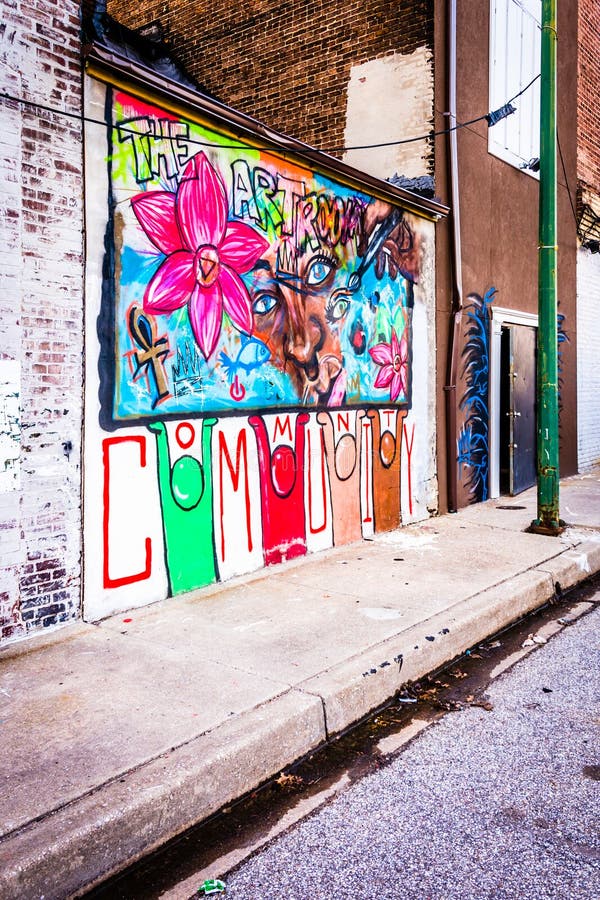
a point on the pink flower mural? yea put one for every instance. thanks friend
(393, 359)
(205, 254)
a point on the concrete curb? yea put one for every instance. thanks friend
(351, 690)
(67, 851)
(573, 566)
(107, 829)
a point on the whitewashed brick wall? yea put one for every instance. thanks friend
(588, 370)
(41, 312)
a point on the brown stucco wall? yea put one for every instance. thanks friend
(499, 203)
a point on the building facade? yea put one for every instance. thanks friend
(497, 56)
(283, 351)
(235, 429)
(385, 87)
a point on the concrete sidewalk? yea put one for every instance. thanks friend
(117, 736)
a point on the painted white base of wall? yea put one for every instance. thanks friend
(588, 370)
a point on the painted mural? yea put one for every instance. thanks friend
(256, 359)
(10, 424)
(562, 337)
(473, 440)
(243, 282)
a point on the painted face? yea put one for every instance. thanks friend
(299, 315)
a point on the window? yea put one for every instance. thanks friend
(515, 58)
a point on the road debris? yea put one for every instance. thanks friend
(493, 645)
(483, 704)
(211, 886)
(534, 639)
(289, 782)
(449, 705)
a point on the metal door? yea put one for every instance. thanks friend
(523, 439)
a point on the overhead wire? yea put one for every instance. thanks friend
(194, 141)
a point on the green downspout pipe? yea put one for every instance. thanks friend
(548, 521)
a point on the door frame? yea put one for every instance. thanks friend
(500, 317)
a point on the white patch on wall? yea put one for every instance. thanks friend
(416, 444)
(390, 99)
(317, 495)
(588, 372)
(418, 471)
(10, 424)
(236, 498)
(366, 480)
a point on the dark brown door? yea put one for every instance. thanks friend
(522, 446)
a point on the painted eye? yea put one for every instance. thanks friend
(337, 308)
(264, 303)
(319, 270)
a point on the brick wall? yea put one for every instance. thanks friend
(40, 317)
(588, 95)
(288, 64)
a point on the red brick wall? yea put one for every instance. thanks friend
(286, 63)
(588, 95)
(41, 314)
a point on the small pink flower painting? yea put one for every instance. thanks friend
(393, 359)
(205, 254)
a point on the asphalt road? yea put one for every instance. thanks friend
(499, 803)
